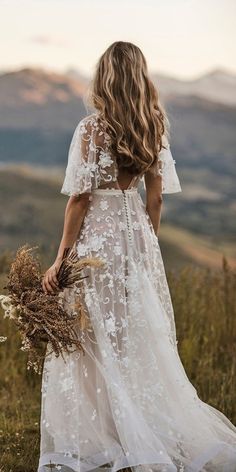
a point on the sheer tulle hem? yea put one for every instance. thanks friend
(114, 461)
(117, 459)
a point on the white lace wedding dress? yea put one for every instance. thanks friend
(127, 402)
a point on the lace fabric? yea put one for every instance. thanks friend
(91, 166)
(127, 402)
(165, 167)
(89, 162)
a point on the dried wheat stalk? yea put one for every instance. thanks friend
(40, 317)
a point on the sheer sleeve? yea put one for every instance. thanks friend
(166, 168)
(89, 162)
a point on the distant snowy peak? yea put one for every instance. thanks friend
(219, 85)
(222, 75)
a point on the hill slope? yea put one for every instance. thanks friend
(33, 212)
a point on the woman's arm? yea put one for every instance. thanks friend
(75, 212)
(153, 186)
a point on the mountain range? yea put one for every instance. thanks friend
(39, 110)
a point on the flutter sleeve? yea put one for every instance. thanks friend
(166, 168)
(88, 162)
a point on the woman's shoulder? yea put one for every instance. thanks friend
(92, 129)
(90, 124)
(86, 121)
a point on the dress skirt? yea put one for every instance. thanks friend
(127, 401)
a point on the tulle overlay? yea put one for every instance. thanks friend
(127, 402)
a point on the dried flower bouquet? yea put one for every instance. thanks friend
(41, 318)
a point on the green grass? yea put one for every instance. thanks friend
(205, 311)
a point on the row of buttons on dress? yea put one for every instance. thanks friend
(127, 216)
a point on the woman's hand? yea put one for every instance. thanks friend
(50, 282)
(76, 209)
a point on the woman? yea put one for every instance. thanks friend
(127, 402)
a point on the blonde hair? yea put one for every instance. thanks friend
(128, 104)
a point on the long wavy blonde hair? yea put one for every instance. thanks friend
(129, 106)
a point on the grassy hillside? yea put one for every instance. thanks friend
(197, 249)
(205, 312)
(203, 142)
(33, 211)
(204, 302)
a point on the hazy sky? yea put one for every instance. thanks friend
(180, 37)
